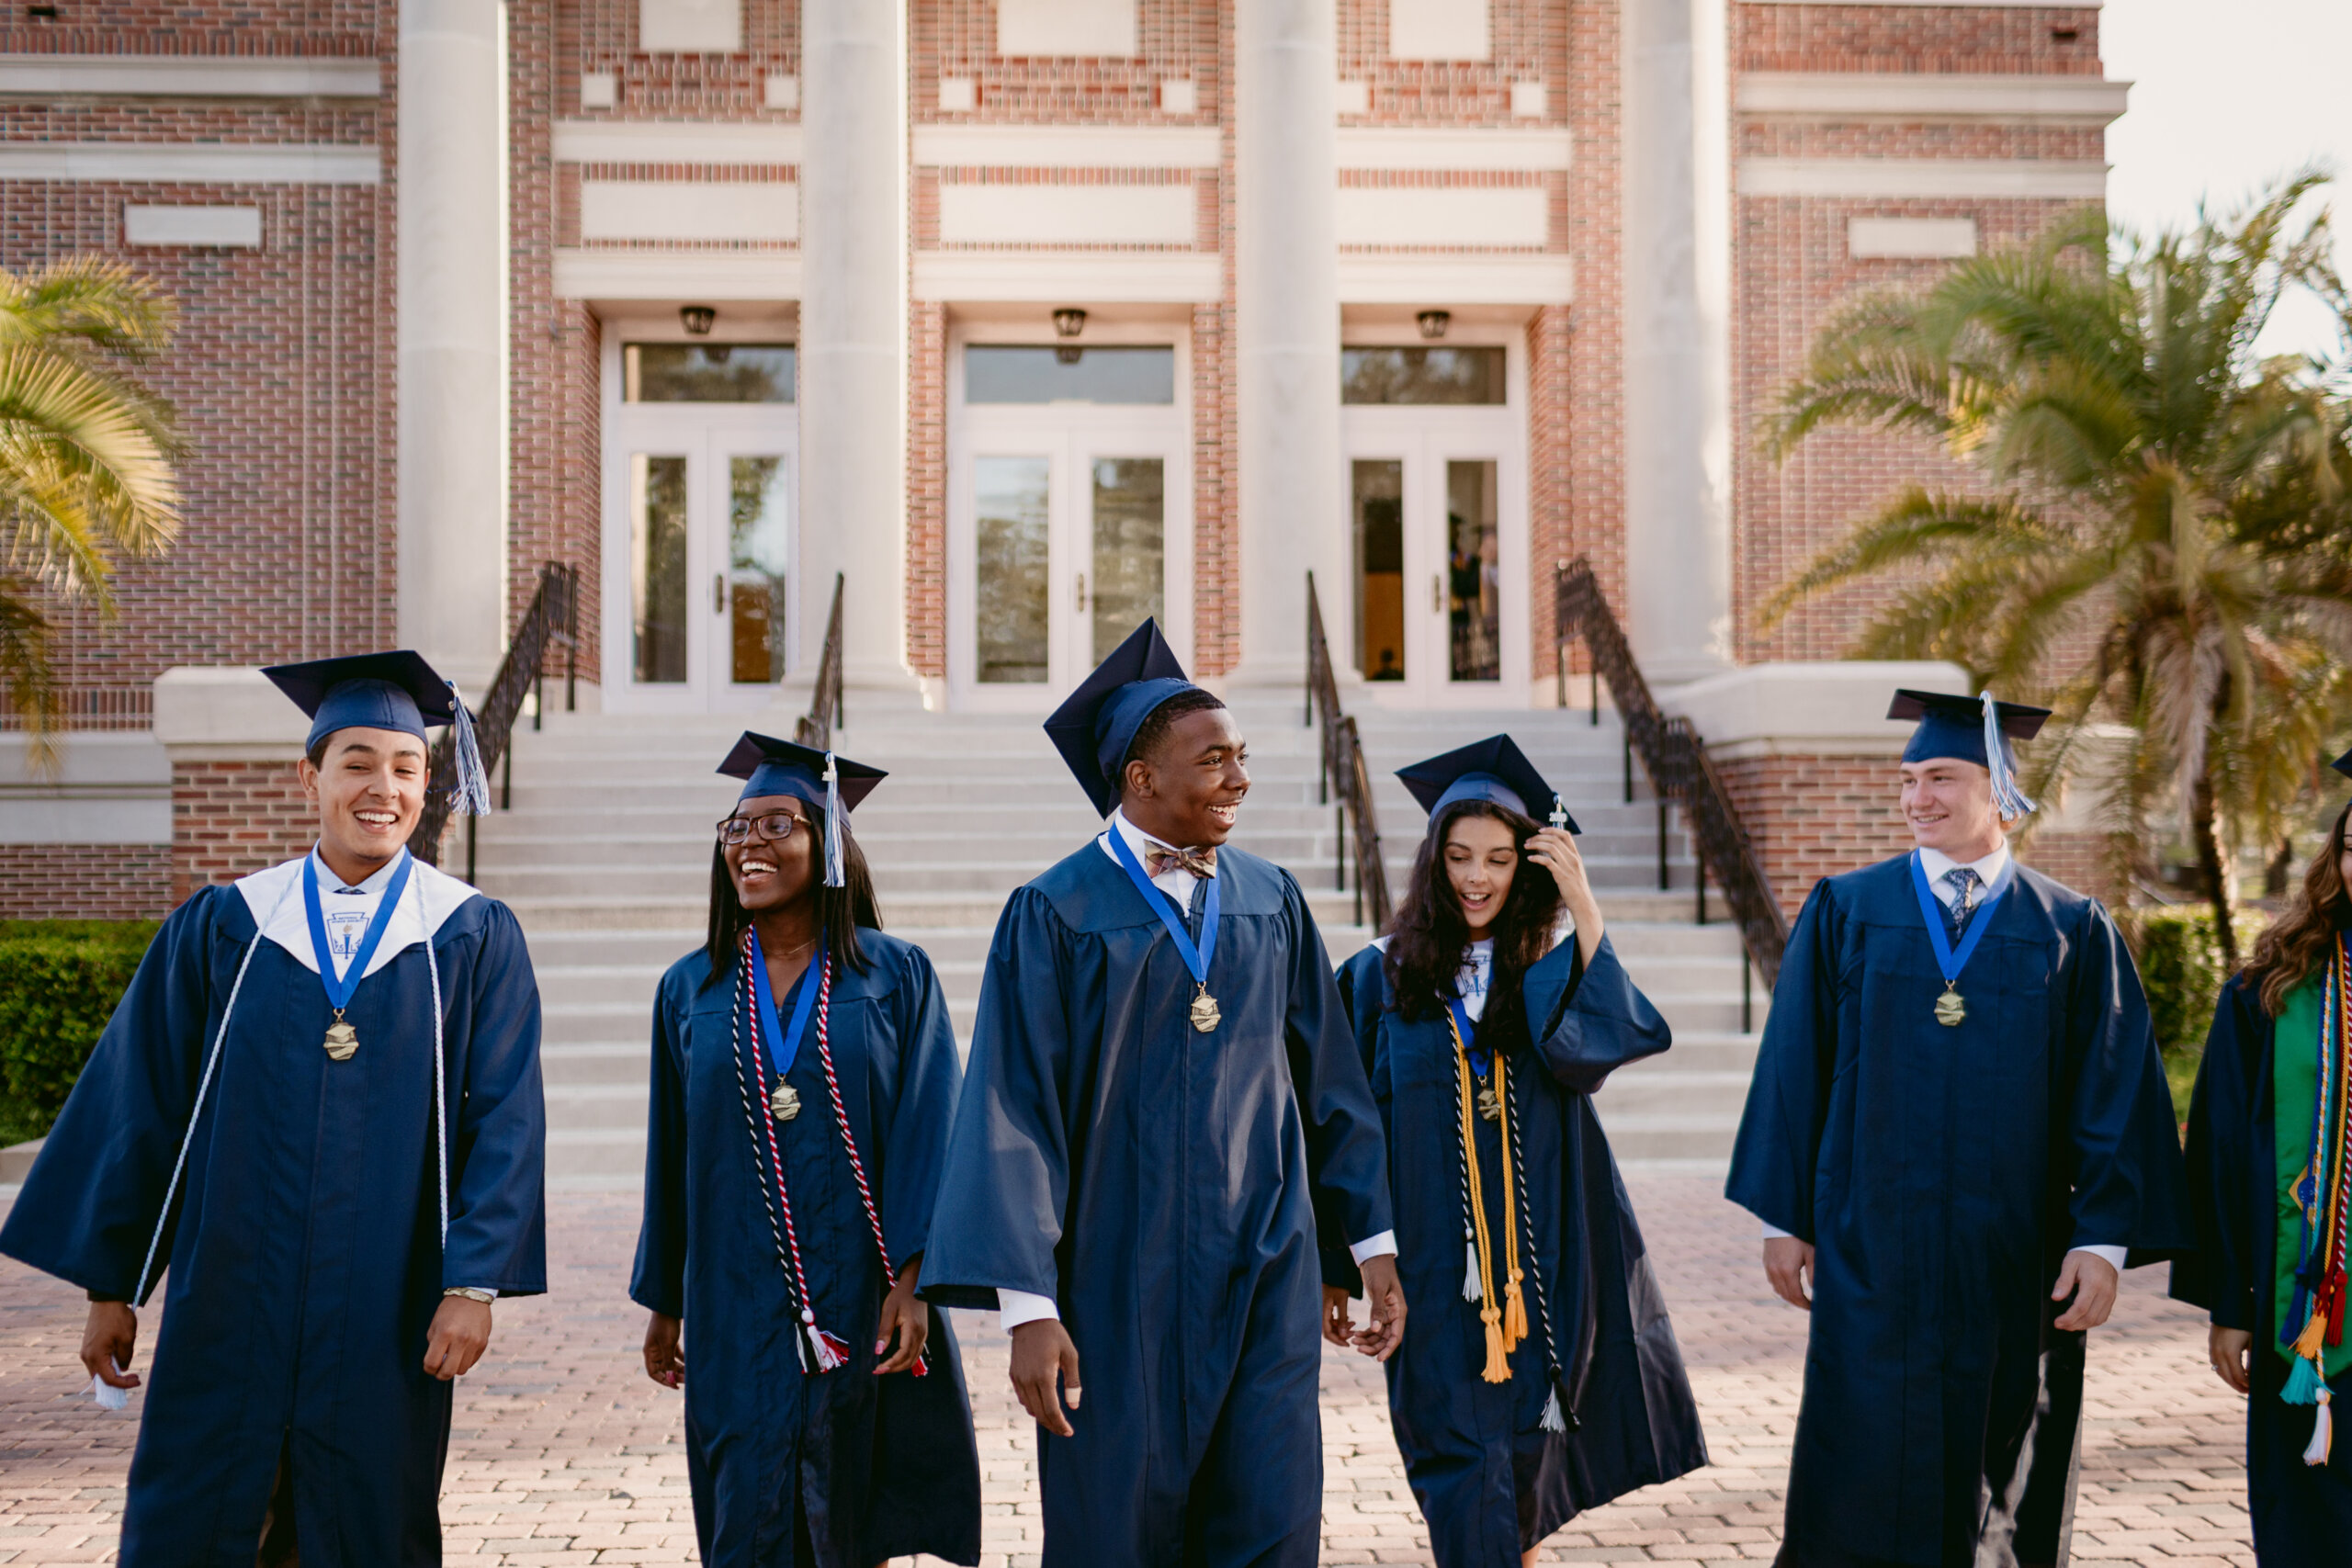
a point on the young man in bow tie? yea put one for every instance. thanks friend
(1958, 1133)
(1163, 1105)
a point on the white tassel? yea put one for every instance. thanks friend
(1552, 1422)
(836, 863)
(473, 779)
(1471, 1289)
(2012, 801)
(2322, 1435)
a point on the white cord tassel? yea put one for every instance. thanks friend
(1552, 1422)
(2012, 800)
(1472, 1290)
(473, 779)
(836, 863)
(2322, 1434)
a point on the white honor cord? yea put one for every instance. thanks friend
(440, 1093)
(139, 1296)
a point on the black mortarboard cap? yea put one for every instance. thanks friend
(1093, 729)
(1972, 729)
(1493, 769)
(2343, 765)
(372, 691)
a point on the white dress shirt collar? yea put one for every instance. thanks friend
(1176, 882)
(1989, 871)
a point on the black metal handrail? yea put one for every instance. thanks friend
(816, 726)
(1676, 759)
(553, 619)
(1344, 770)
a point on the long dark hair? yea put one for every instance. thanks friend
(1429, 933)
(839, 910)
(2292, 947)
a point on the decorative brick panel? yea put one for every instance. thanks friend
(2000, 40)
(927, 489)
(84, 882)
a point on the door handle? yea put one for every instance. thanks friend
(1081, 592)
(718, 593)
(1437, 593)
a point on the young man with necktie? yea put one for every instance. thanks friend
(1958, 1133)
(316, 1114)
(1163, 1109)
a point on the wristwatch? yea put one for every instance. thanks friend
(471, 1294)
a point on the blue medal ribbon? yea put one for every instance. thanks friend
(1979, 919)
(784, 1044)
(339, 991)
(1197, 959)
(1467, 1027)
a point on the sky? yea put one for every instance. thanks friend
(2226, 95)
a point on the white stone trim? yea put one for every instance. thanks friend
(190, 76)
(1881, 238)
(676, 275)
(1067, 29)
(1835, 708)
(1896, 178)
(1453, 151)
(1070, 146)
(1882, 94)
(675, 141)
(1439, 29)
(1449, 277)
(1058, 277)
(237, 228)
(1950, 5)
(1504, 215)
(177, 162)
(1068, 214)
(690, 27)
(110, 788)
(690, 210)
(226, 714)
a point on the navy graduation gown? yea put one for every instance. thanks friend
(305, 1263)
(863, 1467)
(1491, 1482)
(1165, 1187)
(2302, 1513)
(1942, 1174)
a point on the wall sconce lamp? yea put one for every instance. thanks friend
(697, 318)
(1434, 324)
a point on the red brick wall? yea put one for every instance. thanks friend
(1595, 477)
(927, 489)
(84, 882)
(2000, 40)
(230, 819)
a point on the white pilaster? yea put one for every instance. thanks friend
(451, 335)
(854, 333)
(1286, 152)
(1678, 377)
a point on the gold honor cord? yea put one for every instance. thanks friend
(1506, 1326)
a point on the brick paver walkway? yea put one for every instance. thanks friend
(565, 1454)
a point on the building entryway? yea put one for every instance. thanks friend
(1437, 506)
(701, 488)
(1069, 505)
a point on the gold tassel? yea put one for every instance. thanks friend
(1514, 1314)
(1514, 1305)
(2312, 1340)
(1497, 1367)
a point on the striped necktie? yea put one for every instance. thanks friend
(1964, 884)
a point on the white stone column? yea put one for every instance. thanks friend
(1677, 377)
(1287, 152)
(854, 333)
(451, 335)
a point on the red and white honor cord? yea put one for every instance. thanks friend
(849, 1142)
(820, 1351)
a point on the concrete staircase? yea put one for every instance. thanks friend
(604, 857)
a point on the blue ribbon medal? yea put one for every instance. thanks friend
(784, 1044)
(343, 1041)
(1465, 1028)
(1950, 1010)
(1204, 1015)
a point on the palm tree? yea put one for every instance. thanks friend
(86, 461)
(2153, 539)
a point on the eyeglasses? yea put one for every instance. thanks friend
(775, 826)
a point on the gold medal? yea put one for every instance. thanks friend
(341, 1041)
(1949, 1009)
(785, 1102)
(1490, 1106)
(1204, 1014)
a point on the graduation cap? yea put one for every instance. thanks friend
(2343, 765)
(1093, 729)
(395, 690)
(769, 766)
(1493, 769)
(1972, 729)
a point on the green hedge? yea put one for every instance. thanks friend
(59, 983)
(2180, 966)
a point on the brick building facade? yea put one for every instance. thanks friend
(1026, 317)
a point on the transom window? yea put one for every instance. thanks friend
(1038, 372)
(708, 372)
(1444, 376)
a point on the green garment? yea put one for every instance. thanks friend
(2294, 1040)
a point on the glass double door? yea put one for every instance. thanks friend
(1428, 503)
(1065, 535)
(705, 531)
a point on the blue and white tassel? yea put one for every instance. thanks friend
(836, 862)
(2008, 795)
(473, 779)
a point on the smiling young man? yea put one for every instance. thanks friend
(1958, 1132)
(316, 1113)
(1163, 1107)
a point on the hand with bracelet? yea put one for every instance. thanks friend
(460, 1332)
